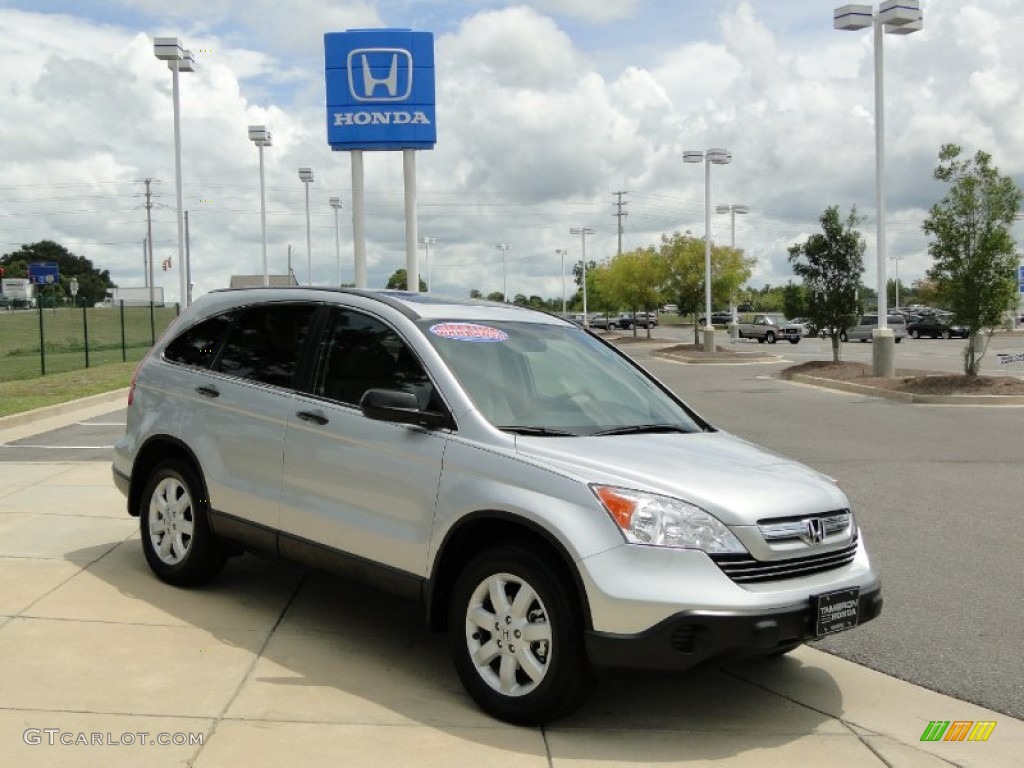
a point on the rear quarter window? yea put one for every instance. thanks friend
(198, 346)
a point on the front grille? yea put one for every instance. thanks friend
(743, 569)
(793, 528)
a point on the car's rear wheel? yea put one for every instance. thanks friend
(915, 334)
(946, 334)
(516, 637)
(177, 540)
(794, 340)
(842, 336)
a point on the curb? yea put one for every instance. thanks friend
(907, 397)
(27, 417)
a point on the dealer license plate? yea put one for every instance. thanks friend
(837, 611)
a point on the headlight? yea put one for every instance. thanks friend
(646, 518)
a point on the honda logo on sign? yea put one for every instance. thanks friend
(380, 74)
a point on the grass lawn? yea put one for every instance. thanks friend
(18, 396)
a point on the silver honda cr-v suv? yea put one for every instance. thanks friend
(550, 504)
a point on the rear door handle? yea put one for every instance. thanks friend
(206, 391)
(316, 417)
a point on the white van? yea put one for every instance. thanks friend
(867, 323)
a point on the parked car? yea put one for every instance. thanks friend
(671, 309)
(546, 500)
(936, 327)
(769, 328)
(602, 321)
(626, 320)
(867, 324)
(717, 318)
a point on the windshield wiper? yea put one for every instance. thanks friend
(639, 429)
(541, 431)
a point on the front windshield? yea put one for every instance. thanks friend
(544, 379)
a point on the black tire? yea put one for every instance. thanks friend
(946, 335)
(189, 553)
(899, 339)
(760, 339)
(842, 336)
(561, 678)
(794, 341)
(770, 337)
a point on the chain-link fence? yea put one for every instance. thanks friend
(48, 340)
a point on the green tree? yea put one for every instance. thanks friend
(637, 280)
(794, 300)
(475, 294)
(831, 264)
(92, 282)
(683, 258)
(972, 248)
(399, 281)
(496, 296)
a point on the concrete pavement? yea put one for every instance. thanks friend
(271, 665)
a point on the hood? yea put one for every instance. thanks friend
(736, 481)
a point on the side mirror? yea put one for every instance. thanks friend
(396, 405)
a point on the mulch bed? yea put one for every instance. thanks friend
(917, 382)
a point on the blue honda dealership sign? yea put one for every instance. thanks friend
(380, 89)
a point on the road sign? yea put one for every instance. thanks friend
(44, 272)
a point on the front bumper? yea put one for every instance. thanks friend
(690, 638)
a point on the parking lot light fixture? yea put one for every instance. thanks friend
(716, 156)
(583, 232)
(562, 252)
(894, 17)
(335, 203)
(261, 137)
(732, 209)
(504, 248)
(426, 242)
(171, 50)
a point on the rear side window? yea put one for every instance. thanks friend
(198, 346)
(265, 343)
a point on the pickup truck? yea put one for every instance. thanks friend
(770, 328)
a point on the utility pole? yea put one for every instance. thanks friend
(149, 240)
(620, 214)
(187, 266)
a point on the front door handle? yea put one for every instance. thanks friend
(316, 417)
(207, 391)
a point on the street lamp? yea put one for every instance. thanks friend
(562, 252)
(170, 49)
(335, 203)
(717, 156)
(504, 248)
(583, 232)
(427, 242)
(896, 17)
(306, 177)
(732, 209)
(260, 136)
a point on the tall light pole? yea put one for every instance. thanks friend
(732, 209)
(427, 242)
(335, 203)
(717, 156)
(260, 136)
(306, 177)
(170, 49)
(583, 232)
(562, 252)
(898, 17)
(504, 248)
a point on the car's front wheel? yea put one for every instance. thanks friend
(770, 337)
(843, 336)
(915, 334)
(176, 537)
(946, 335)
(516, 637)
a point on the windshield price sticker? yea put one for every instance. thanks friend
(837, 611)
(468, 332)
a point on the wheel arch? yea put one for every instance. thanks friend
(152, 453)
(481, 530)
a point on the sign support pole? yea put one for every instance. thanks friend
(412, 264)
(359, 216)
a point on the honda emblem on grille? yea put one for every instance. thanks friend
(814, 530)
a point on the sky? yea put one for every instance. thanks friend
(545, 108)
